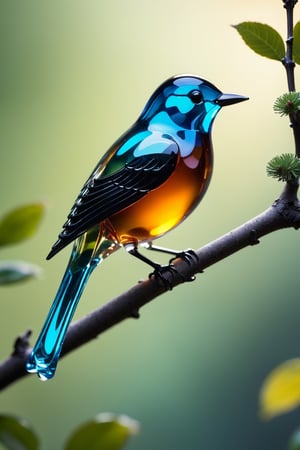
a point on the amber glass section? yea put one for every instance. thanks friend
(165, 207)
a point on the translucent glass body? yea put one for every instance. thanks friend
(165, 207)
(147, 183)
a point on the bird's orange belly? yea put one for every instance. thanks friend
(165, 207)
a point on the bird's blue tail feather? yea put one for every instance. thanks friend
(44, 357)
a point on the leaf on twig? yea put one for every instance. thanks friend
(288, 103)
(285, 167)
(296, 43)
(16, 271)
(280, 392)
(105, 432)
(20, 223)
(262, 39)
(17, 434)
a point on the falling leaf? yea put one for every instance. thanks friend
(105, 432)
(16, 271)
(280, 392)
(294, 442)
(20, 223)
(17, 434)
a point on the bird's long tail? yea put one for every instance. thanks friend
(88, 251)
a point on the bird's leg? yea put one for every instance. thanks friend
(159, 270)
(134, 252)
(188, 255)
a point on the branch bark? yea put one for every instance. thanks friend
(284, 213)
(289, 65)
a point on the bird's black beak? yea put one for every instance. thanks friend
(230, 99)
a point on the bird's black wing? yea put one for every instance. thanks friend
(101, 198)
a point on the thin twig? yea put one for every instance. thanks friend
(289, 65)
(288, 61)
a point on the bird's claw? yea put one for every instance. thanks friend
(159, 274)
(159, 271)
(188, 256)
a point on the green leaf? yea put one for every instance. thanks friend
(17, 434)
(16, 271)
(288, 103)
(20, 223)
(296, 43)
(285, 167)
(262, 39)
(294, 442)
(105, 432)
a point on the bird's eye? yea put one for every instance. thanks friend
(196, 97)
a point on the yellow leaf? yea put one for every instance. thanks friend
(280, 392)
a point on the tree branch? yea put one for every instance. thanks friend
(284, 213)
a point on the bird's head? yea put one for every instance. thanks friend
(189, 101)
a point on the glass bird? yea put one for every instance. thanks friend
(146, 184)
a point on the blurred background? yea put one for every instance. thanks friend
(75, 75)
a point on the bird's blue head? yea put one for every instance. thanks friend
(189, 101)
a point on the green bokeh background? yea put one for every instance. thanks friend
(74, 75)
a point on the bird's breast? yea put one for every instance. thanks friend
(166, 206)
